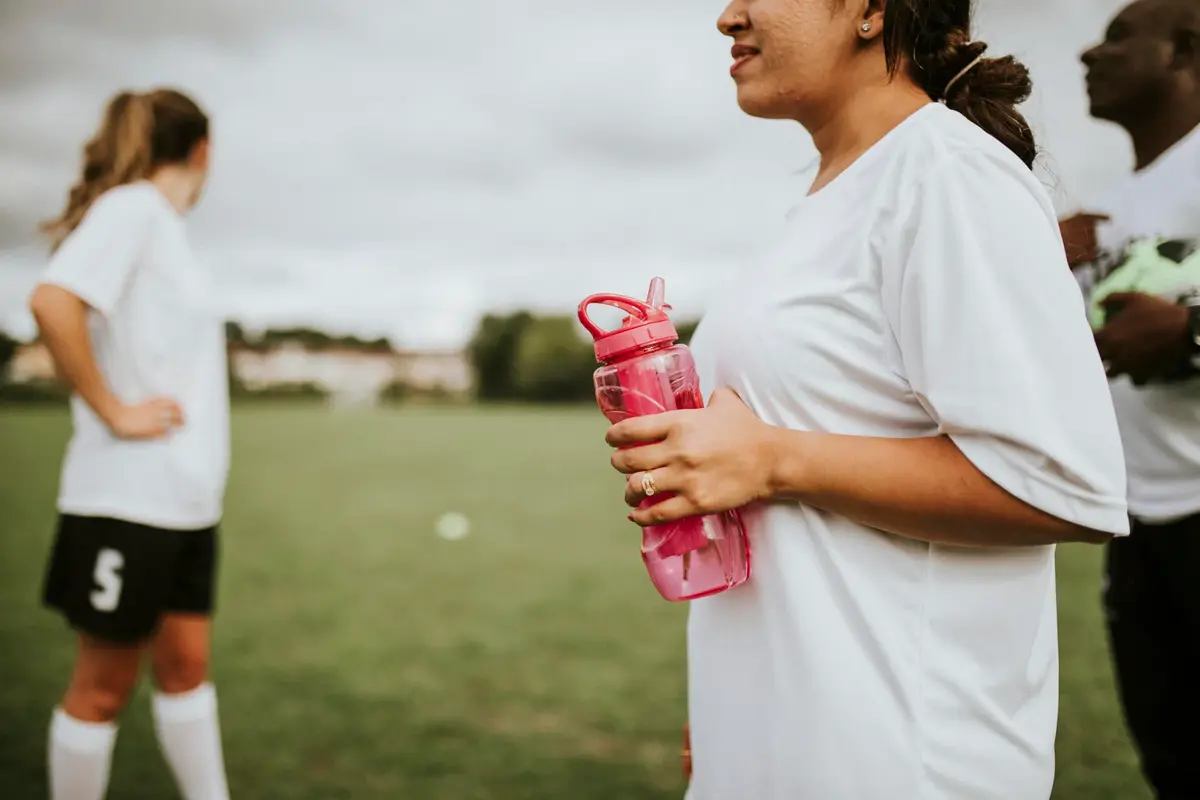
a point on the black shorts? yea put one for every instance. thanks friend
(114, 579)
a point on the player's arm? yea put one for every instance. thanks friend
(1080, 239)
(92, 270)
(62, 321)
(1147, 337)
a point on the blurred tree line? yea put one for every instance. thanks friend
(309, 338)
(521, 357)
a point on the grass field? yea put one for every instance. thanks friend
(359, 656)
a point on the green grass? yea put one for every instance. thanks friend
(359, 656)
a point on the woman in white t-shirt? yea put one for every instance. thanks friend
(128, 314)
(910, 418)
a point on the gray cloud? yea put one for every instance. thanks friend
(43, 42)
(134, 22)
(389, 168)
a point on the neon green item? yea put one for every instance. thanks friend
(1148, 271)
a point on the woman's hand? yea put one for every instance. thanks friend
(1146, 337)
(151, 419)
(1080, 239)
(711, 459)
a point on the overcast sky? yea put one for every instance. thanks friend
(388, 167)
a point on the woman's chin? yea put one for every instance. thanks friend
(758, 103)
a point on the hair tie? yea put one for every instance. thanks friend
(961, 74)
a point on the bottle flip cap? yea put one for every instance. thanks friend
(645, 325)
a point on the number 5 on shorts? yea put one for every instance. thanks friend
(107, 576)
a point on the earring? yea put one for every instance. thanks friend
(866, 27)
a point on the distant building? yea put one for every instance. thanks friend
(351, 375)
(350, 372)
(31, 364)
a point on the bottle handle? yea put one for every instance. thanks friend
(635, 308)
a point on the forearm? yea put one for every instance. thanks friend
(923, 489)
(62, 321)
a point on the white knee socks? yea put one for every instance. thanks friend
(190, 737)
(80, 757)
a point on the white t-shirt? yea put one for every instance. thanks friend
(1160, 423)
(920, 293)
(156, 331)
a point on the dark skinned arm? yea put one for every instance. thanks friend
(1146, 338)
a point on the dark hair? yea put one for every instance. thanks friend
(140, 132)
(932, 38)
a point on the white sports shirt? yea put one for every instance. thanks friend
(924, 291)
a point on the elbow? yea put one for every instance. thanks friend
(1070, 533)
(1089, 536)
(41, 303)
(37, 302)
(1048, 529)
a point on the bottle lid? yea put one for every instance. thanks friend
(646, 323)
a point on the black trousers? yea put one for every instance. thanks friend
(1152, 602)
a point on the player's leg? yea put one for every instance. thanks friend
(83, 729)
(185, 703)
(1181, 549)
(1145, 628)
(101, 577)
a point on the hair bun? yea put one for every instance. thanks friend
(932, 41)
(1002, 80)
(959, 72)
(985, 91)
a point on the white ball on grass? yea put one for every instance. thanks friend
(453, 526)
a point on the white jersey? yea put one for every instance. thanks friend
(1160, 423)
(156, 331)
(924, 291)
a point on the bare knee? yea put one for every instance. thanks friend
(180, 653)
(180, 669)
(95, 703)
(100, 692)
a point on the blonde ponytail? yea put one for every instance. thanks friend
(132, 124)
(123, 150)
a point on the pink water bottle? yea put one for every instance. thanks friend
(646, 371)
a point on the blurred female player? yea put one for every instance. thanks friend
(127, 312)
(909, 402)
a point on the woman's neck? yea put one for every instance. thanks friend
(177, 185)
(863, 118)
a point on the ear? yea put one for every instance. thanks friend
(1186, 42)
(870, 19)
(198, 158)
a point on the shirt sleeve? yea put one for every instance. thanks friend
(96, 261)
(994, 341)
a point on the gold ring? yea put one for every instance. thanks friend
(648, 487)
